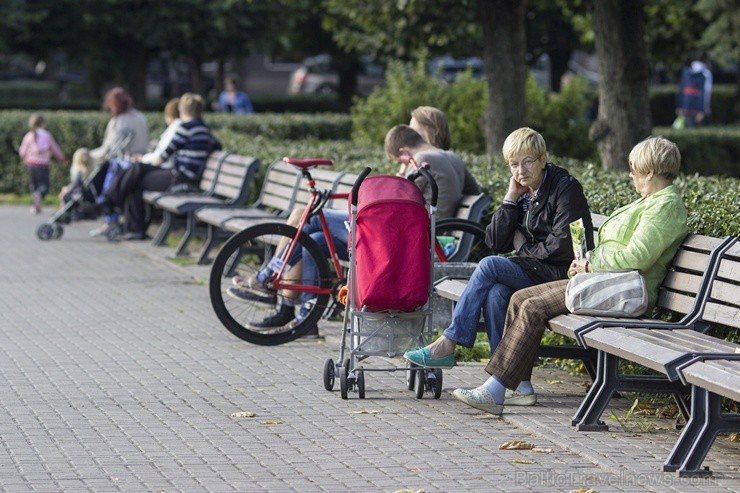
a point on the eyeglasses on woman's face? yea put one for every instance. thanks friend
(525, 163)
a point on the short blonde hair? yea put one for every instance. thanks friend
(524, 141)
(657, 155)
(401, 136)
(82, 159)
(191, 105)
(433, 126)
(37, 120)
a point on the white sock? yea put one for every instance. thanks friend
(525, 388)
(496, 389)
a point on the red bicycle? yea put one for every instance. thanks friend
(249, 251)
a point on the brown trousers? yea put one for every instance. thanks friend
(526, 318)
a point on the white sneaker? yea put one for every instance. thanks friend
(100, 231)
(479, 398)
(516, 398)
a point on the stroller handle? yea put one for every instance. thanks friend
(358, 182)
(423, 171)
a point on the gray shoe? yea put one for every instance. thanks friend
(516, 398)
(479, 398)
(257, 291)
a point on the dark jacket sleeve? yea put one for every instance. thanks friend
(570, 205)
(500, 233)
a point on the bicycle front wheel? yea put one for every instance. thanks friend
(462, 240)
(242, 257)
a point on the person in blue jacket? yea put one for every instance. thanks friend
(695, 94)
(233, 100)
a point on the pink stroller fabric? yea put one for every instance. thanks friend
(392, 245)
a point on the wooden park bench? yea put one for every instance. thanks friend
(703, 288)
(276, 202)
(225, 182)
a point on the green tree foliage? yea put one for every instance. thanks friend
(560, 117)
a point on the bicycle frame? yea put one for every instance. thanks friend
(316, 195)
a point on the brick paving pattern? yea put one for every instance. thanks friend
(117, 376)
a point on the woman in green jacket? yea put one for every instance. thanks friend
(643, 235)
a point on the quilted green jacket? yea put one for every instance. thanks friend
(643, 235)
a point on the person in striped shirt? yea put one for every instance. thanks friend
(192, 144)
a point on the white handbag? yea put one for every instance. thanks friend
(611, 294)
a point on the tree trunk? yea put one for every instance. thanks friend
(505, 47)
(136, 59)
(624, 72)
(196, 76)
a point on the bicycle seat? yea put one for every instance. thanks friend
(308, 162)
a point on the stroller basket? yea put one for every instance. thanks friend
(387, 334)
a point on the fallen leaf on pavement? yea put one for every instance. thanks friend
(542, 450)
(365, 411)
(409, 490)
(735, 437)
(244, 414)
(555, 382)
(522, 461)
(271, 422)
(516, 445)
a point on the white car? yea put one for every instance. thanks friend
(316, 75)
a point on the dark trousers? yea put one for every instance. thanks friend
(38, 180)
(126, 192)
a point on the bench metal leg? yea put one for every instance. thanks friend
(588, 413)
(609, 381)
(164, 229)
(210, 241)
(190, 227)
(697, 437)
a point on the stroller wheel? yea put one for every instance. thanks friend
(45, 232)
(361, 384)
(410, 375)
(437, 383)
(344, 379)
(421, 382)
(329, 374)
(58, 231)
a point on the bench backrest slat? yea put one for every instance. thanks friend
(279, 187)
(234, 178)
(679, 289)
(210, 174)
(325, 180)
(345, 184)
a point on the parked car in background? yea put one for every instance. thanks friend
(448, 68)
(317, 75)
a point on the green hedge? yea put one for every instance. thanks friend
(85, 129)
(713, 201)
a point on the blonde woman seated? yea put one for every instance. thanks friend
(643, 235)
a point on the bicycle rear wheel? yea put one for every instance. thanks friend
(463, 240)
(243, 255)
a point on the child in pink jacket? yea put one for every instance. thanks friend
(37, 148)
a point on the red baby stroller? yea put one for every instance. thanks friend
(389, 283)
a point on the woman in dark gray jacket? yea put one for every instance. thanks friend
(533, 223)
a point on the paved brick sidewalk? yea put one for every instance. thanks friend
(118, 377)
